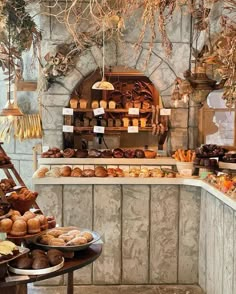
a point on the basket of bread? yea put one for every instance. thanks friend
(184, 161)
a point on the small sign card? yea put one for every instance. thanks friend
(165, 111)
(68, 129)
(134, 111)
(98, 111)
(133, 129)
(45, 148)
(67, 111)
(99, 129)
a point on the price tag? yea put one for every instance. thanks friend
(68, 129)
(134, 111)
(99, 129)
(165, 111)
(45, 148)
(67, 111)
(133, 129)
(98, 111)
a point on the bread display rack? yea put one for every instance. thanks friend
(11, 173)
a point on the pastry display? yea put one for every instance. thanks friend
(6, 185)
(210, 150)
(38, 259)
(52, 153)
(22, 199)
(224, 182)
(7, 250)
(62, 237)
(19, 225)
(184, 155)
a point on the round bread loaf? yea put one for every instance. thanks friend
(68, 153)
(106, 154)
(40, 263)
(65, 171)
(24, 262)
(100, 172)
(118, 153)
(81, 153)
(94, 153)
(129, 153)
(88, 173)
(139, 153)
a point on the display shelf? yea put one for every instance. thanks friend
(116, 110)
(107, 129)
(227, 165)
(108, 161)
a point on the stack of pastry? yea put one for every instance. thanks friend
(65, 237)
(52, 153)
(20, 225)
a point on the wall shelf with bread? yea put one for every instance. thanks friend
(134, 102)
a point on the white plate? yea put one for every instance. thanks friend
(32, 272)
(96, 237)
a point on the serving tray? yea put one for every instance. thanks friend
(32, 272)
(96, 237)
(22, 251)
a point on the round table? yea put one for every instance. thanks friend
(81, 259)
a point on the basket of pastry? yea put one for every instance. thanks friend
(37, 262)
(22, 199)
(67, 239)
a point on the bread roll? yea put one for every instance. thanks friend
(76, 172)
(77, 241)
(6, 225)
(88, 173)
(65, 171)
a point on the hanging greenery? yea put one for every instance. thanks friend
(23, 35)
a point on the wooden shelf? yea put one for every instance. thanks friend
(8, 165)
(116, 110)
(120, 129)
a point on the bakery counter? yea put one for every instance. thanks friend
(155, 230)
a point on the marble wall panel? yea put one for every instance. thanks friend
(50, 200)
(107, 221)
(164, 234)
(219, 245)
(135, 234)
(78, 211)
(210, 243)
(189, 217)
(228, 268)
(202, 242)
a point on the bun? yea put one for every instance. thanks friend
(88, 173)
(68, 153)
(28, 215)
(65, 171)
(43, 221)
(19, 228)
(88, 236)
(57, 242)
(76, 172)
(77, 241)
(139, 153)
(6, 225)
(100, 172)
(118, 153)
(94, 153)
(106, 154)
(81, 153)
(24, 262)
(33, 226)
(39, 263)
(150, 154)
(41, 172)
(129, 153)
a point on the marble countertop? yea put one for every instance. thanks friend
(137, 181)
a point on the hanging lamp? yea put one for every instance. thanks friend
(11, 108)
(103, 84)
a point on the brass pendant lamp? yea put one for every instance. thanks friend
(103, 84)
(11, 108)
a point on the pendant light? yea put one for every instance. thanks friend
(103, 84)
(11, 108)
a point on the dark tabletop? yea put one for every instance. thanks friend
(81, 259)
